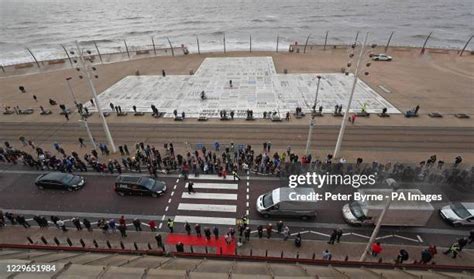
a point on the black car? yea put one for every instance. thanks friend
(59, 180)
(139, 185)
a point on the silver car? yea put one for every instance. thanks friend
(458, 213)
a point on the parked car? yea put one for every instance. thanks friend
(458, 213)
(139, 185)
(60, 181)
(381, 57)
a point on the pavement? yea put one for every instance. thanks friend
(217, 202)
(274, 247)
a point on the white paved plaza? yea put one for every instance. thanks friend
(256, 86)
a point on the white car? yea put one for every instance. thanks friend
(458, 213)
(381, 57)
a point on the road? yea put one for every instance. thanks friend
(216, 202)
(357, 138)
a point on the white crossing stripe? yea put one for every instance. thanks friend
(210, 196)
(208, 207)
(220, 186)
(204, 220)
(211, 177)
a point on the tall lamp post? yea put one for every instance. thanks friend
(311, 123)
(94, 95)
(354, 84)
(84, 123)
(70, 90)
(394, 186)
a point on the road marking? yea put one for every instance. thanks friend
(248, 204)
(177, 180)
(169, 201)
(248, 197)
(210, 196)
(204, 220)
(207, 177)
(248, 184)
(248, 190)
(419, 238)
(163, 217)
(406, 238)
(174, 188)
(166, 209)
(247, 212)
(220, 186)
(161, 225)
(207, 207)
(172, 193)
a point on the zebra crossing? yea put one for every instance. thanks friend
(213, 203)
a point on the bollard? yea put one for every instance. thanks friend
(266, 253)
(281, 256)
(346, 258)
(121, 245)
(135, 245)
(83, 244)
(56, 240)
(380, 260)
(69, 242)
(95, 243)
(251, 253)
(298, 255)
(149, 246)
(206, 249)
(30, 240)
(108, 244)
(191, 248)
(44, 240)
(314, 256)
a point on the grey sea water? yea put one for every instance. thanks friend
(42, 25)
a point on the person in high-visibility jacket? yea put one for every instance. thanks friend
(234, 173)
(170, 225)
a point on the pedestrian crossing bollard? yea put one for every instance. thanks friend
(266, 253)
(109, 245)
(149, 246)
(56, 240)
(121, 245)
(69, 242)
(206, 250)
(281, 256)
(30, 240)
(314, 256)
(346, 259)
(298, 255)
(251, 252)
(44, 240)
(135, 245)
(95, 244)
(83, 244)
(380, 260)
(191, 248)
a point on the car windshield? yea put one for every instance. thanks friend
(67, 178)
(460, 210)
(148, 183)
(267, 200)
(356, 210)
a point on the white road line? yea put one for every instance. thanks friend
(248, 197)
(161, 225)
(204, 220)
(221, 186)
(172, 193)
(208, 207)
(248, 184)
(177, 180)
(247, 212)
(210, 177)
(210, 196)
(169, 201)
(166, 209)
(163, 217)
(247, 204)
(174, 188)
(419, 238)
(248, 190)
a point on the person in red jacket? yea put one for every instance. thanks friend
(152, 225)
(376, 249)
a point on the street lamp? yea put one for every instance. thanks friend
(313, 115)
(356, 77)
(394, 186)
(70, 90)
(84, 123)
(94, 95)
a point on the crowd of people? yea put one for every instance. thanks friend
(223, 160)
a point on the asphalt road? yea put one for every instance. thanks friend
(98, 199)
(373, 138)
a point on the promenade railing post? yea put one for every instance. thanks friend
(171, 46)
(96, 100)
(224, 43)
(250, 42)
(465, 46)
(357, 36)
(388, 42)
(199, 47)
(34, 58)
(278, 39)
(68, 57)
(126, 48)
(326, 40)
(153, 43)
(306, 43)
(424, 44)
(100, 55)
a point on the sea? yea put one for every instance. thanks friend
(44, 25)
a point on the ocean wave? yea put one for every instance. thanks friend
(192, 22)
(135, 33)
(97, 41)
(269, 19)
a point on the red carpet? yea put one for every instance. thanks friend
(192, 240)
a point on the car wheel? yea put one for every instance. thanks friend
(155, 195)
(304, 218)
(70, 189)
(122, 194)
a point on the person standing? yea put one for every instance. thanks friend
(280, 226)
(152, 225)
(333, 236)
(260, 231)
(112, 225)
(77, 223)
(170, 225)
(62, 225)
(269, 231)
(123, 230)
(22, 221)
(207, 233)
(159, 240)
(247, 234)
(87, 224)
(187, 228)
(215, 231)
(137, 224)
(454, 249)
(191, 188)
(338, 235)
(286, 233)
(327, 256)
(81, 142)
(298, 240)
(55, 220)
(376, 249)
